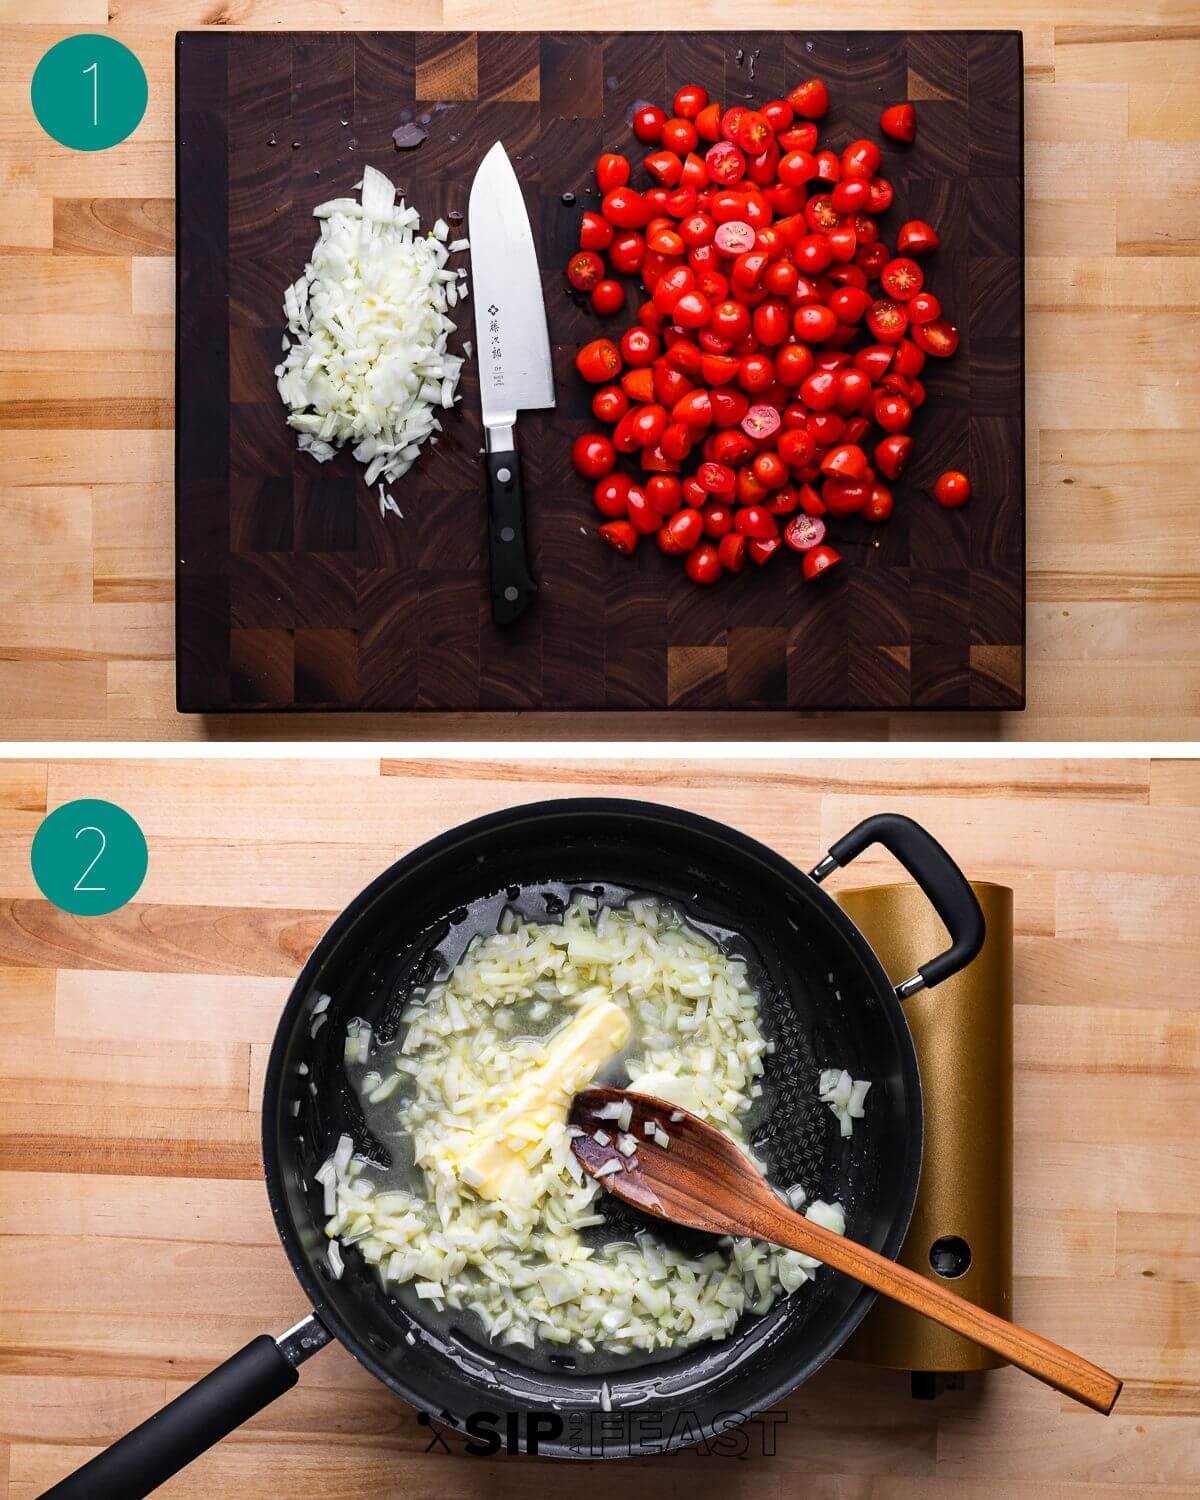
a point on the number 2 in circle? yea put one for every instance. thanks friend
(94, 70)
(79, 885)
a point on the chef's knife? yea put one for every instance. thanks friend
(515, 372)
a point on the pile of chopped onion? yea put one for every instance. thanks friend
(522, 1264)
(365, 358)
(844, 1095)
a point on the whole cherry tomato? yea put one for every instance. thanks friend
(717, 479)
(639, 346)
(608, 297)
(679, 135)
(593, 455)
(689, 101)
(899, 121)
(610, 404)
(648, 121)
(893, 413)
(625, 208)
(924, 308)
(952, 489)
(880, 504)
(611, 494)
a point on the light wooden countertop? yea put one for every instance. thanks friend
(1113, 219)
(137, 1250)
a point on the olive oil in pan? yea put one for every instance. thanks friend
(544, 902)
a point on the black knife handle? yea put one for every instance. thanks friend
(512, 586)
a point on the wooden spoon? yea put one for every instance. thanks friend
(702, 1179)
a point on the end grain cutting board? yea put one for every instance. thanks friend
(293, 593)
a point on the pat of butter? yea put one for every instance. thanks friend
(573, 1054)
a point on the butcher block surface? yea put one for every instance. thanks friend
(293, 592)
(136, 1244)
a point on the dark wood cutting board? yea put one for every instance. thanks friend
(293, 593)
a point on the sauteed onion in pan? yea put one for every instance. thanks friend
(489, 1212)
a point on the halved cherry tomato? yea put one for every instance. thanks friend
(665, 167)
(887, 320)
(595, 232)
(893, 413)
(880, 503)
(939, 338)
(754, 133)
(612, 171)
(598, 361)
(860, 159)
(892, 455)
(761, 422)
(732, 552)
(664, 493)
(717, 479)
(916, 238)
(584, 270)
(902, 278)
(819, 560)
(620, 536)
(899, 121)
(924, 308)
(681, 532)
(810, 99)
(802, 533)
(725, 163)
(845, 462)
(704, 563)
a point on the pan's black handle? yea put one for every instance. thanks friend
(937, 875)
(512, 586)
(206, 1412)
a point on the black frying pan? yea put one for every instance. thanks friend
(826, 1002)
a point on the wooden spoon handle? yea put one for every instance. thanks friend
(1040, 1357)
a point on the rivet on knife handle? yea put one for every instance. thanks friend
(512, 586)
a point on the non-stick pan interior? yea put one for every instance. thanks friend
(825, 1003)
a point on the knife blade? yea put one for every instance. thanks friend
(515, 370)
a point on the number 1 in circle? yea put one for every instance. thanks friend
(94, 70)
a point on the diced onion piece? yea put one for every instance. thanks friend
(365, 357)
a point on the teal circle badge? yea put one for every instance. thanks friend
(89, 92)
(89, 857)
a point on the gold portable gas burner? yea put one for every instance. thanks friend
(962, 1224)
